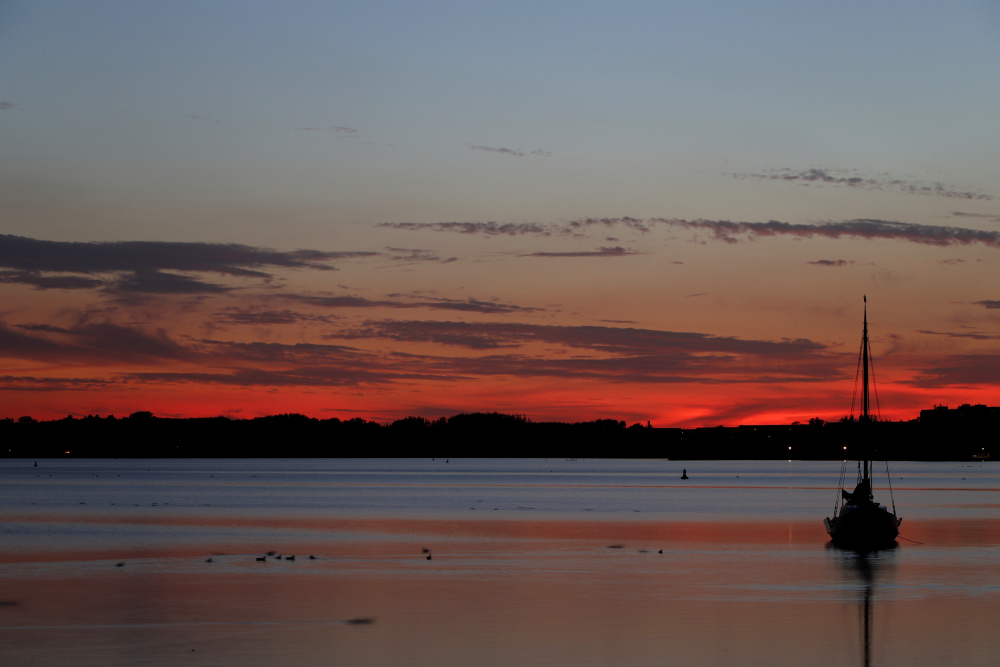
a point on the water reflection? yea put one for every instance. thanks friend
(866, 570)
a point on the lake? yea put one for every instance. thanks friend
(489, 562)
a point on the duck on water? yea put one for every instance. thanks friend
(860, 523)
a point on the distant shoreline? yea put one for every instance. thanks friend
(941, 434)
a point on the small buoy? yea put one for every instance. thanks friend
(120, 564)
(312, 557)
(428, 556)
(684, 475)
(209, 559)
(262, 558)
(289, 557)
(359, 621)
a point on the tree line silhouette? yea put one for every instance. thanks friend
(940, 434)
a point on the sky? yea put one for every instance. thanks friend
(663, 212)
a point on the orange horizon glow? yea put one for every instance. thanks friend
(632, 405)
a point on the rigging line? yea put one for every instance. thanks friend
(890, 488)
(857, 381)
(871, 362)
(909, 540)
(840, 486)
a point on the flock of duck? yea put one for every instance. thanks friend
(274, 555)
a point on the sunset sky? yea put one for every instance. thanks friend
(648, 211)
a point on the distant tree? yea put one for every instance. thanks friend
(486, 420)
(410, 423)
(610, 424)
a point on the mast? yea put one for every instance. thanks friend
(865, 417)
(864, 365)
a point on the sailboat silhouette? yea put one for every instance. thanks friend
(860, 523)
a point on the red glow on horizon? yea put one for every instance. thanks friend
(698, 406)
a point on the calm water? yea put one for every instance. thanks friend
(533, 562)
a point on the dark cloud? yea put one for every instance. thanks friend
(635, 224)
(831, 262)
(515, 350)
(615, 340)
(516, 152)
(339, 301)
(643, 369)
(458, 334)
(159, 282)
(303, 364)
(988, 304)
(605, 353)
(298, 353)
(576, 227)
(268, 317)
(147, 266)
(469, 305)
(416, 256)
(484, 228)
(971, 335)
(249, 377)
(40, 281)
(724, 230)
(4, 106)
(616, 251)
(734, 232)
(32, 383)
(88, 342)
(960, 371)
(18, 252)
(852, 178)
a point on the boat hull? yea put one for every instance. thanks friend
(863, 527)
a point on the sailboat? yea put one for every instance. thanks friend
(860, 523)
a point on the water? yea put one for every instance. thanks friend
(533, 562)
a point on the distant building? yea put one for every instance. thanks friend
(964, 416)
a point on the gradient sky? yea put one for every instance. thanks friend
(569, 210)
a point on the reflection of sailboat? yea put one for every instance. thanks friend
(861, 523)
(868, 568)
